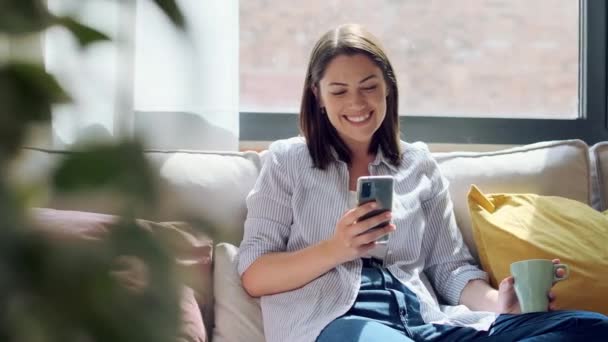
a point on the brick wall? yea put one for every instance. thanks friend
(458, 57)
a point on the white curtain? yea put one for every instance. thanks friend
(176, 91)
(90, 75)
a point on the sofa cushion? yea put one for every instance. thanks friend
(559, 168)
(238, 317)
(192, 251)
(599, 173)
(192, 328)
(207, 189)
(513, 227)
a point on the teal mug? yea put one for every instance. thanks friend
(533, 280)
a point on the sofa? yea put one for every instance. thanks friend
(208, 190)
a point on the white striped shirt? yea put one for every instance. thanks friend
(294, 205)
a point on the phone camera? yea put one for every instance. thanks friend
(366, 190)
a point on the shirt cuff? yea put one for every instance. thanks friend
(459, 279)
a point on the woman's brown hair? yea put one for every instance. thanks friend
(320, 135)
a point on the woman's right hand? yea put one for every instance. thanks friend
(351, 238)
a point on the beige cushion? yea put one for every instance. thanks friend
(559, 168)
(599, 155)
(238, 316)
(210, 187)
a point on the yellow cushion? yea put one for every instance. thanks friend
(512, 227)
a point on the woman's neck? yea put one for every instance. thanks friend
(361, 158)
(359, 166)
(359, 151)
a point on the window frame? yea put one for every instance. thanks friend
(591, 127)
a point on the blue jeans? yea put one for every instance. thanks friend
(387, 311)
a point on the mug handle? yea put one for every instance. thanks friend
(557, 267)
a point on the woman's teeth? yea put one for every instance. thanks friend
(359, 118)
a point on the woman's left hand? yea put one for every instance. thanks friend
(507, 299)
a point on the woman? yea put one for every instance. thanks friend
(318, 270)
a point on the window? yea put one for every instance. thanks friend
(471, 71)
(479, 58)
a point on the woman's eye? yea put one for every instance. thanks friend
(370, 88)
(336, 93)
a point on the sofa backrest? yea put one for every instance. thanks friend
(211, 187)
(205, 188)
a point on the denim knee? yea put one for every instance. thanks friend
(349, 329)
(586, 320)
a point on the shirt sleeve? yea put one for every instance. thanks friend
(448, 263)
(269, 213)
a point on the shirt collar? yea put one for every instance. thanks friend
(380, 158)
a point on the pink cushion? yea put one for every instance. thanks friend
(193, 254)
(192, 328)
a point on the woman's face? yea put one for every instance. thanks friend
(353, 92)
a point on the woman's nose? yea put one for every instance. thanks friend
(357, 101)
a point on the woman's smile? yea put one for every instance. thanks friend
(359, 120)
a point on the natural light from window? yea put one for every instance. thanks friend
(474, 58)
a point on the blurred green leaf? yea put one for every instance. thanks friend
(24, 16)
(27, 92)
(84, 34)
(29, 86)
(120, 167)
(172, 10)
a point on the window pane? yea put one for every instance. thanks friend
(482, 58)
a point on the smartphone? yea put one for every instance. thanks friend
(379, 189)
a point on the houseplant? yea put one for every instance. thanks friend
(54, 290)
